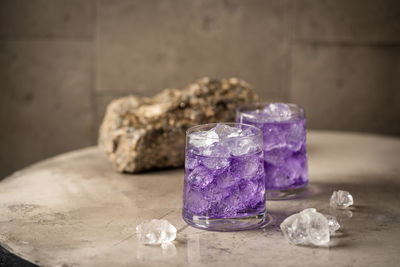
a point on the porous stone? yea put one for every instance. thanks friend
(145, 133)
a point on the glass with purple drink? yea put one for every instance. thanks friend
(224, 185)
(284, 144)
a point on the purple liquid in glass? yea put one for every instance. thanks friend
(284, 143)
(224, 175)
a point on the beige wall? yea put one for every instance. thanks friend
(62, 61)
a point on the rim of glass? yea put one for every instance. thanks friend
(212, 125)
(297, 110)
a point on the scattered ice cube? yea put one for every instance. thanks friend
(333, 224)
(203, 138)
(341, 200)
(308, 227)
(155, 232)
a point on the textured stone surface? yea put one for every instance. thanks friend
(74, 210)
(144, 133)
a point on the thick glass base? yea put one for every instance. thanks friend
(286, 194)
(227, 224)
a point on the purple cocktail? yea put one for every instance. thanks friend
(224, 185)
(284, 145)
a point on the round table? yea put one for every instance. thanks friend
(74, 210)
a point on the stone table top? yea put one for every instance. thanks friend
(74, 210)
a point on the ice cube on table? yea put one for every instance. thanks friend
(341, 200)
(333, 224)
(155, 232)
(307, 227)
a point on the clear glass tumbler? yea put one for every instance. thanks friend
(284, 144)
(224, 185)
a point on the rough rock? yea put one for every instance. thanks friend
(141, 133)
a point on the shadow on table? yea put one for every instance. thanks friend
(11, 260)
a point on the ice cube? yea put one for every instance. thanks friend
(273, 137)
(155, 232)
(341, 200)
(200, 177)
(216, 150)
(242, 146)
(296, 135)
(249, 190)
(215, 163)
(225, 131)
(308, 227)
(213, 193)
(217, 156)
(246, 167)
(332, 223)
(203, 139)
(233, 203)
(196, 203)
(225, 179)
(284, 175)
(191, 162)
(276, 156)
(278, 111)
